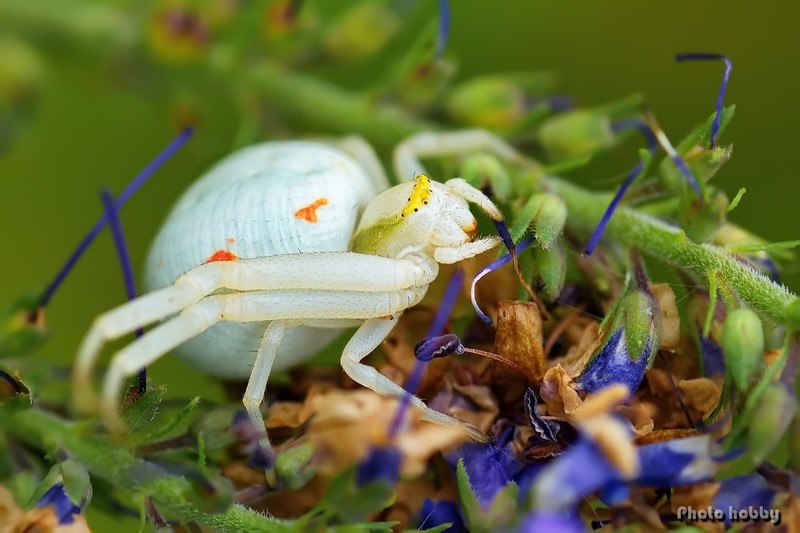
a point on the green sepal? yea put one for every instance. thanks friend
(550, 267)
(702, 221)
(172, 425)
(293, 467)
(144, 409)
(694, 147)
(498, 514)
(546, 214)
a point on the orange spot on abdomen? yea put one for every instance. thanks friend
(222, 255)
(309, 212)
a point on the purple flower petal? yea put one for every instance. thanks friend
(56, 497)
(382, 465)
(435, 514)
(489, 468)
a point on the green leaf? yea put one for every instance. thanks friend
(171, 426)
(144, 409)
(736, 199)
(348, 502)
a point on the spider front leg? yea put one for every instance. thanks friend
(365, 340)
(408, 153)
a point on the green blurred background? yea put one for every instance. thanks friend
(97, 123)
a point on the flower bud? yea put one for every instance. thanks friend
(743, 346)
(769, 421)
(21, 73)
(490, 102)
(360, 32)
(497, 101)
(630, 348)
(576, 133)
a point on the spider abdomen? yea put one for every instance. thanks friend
(268, 199)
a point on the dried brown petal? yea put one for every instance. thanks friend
(640, 415)
(700, 394)
(285, 414)
(348, 423)
(662, 435)
(520, 339)
(601, 403)
(558, 393)
(612, 437)
(485, 401)
(670, 320)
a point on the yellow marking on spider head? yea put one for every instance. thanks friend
(420, 193)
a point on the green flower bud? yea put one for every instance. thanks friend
(21, 72)
(550, 267)
(770, 419)
(360, 32)
(743, 346)
(490, 102)
(576, 133)
(480, 169)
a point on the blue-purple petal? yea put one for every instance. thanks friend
(56, 497)
(614, 365)
(435, 514)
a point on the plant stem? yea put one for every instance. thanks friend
(111, 462)
(671, 244)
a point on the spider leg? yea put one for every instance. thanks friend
(147, 349)
(367, 273)
(281, 305)
(365, 340)
(408, 153)
(362, 151)
(448, 255)
(257, 384)
(461, 188)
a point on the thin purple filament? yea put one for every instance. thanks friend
(129, 191)
(494, 265)
(722, 88)
(112, 215)
(612, 207)
(444, 27)
(436, 329)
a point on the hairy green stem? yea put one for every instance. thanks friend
(109, 461)
(670, 244)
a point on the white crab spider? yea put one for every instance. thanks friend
(262, 248)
